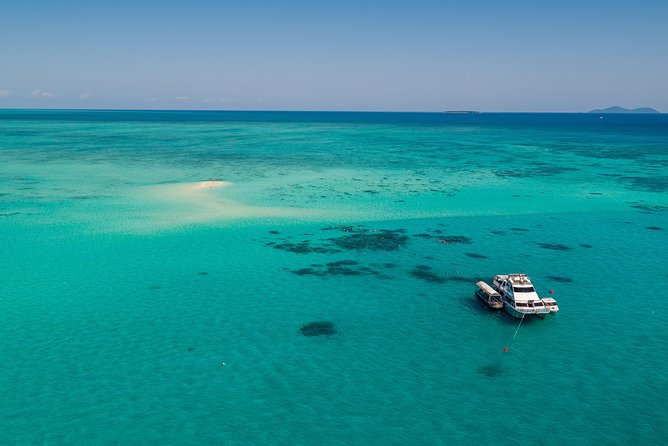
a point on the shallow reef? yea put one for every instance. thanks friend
(490, 370)
(338, 268)
(534, 172)
(647, 208)
(650, 183)
(446, 239)
(475, 255)
(318, 328)
(303, 247)
(425, 273)
(560, 279)
(454, 239)
(357, 238)
(383, 240)
(554, 246)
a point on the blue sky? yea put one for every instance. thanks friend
(418, 55)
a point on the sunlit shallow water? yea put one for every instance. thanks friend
(128, 279)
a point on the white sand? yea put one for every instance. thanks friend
(166, 206)
(213, 184)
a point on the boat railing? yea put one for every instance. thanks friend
(530, 310)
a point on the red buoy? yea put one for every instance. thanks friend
(551, 291)
(505, 349)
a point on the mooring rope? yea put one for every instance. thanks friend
(518, 327)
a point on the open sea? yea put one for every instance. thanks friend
(158, 269)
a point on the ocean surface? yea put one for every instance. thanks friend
(158, 268)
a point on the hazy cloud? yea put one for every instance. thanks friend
(37, 93)
(4, 93)
(83, 95)
(182, 98)
(222, 100)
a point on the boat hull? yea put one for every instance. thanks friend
(513, 312)
(519, 314)
(491, 303)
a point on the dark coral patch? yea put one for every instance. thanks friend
(475, 255)
(274, 232)
(339, 268)
(383, 240)
(305, 272)
(464, 279)
(499, 232)
(318, 329)
(202, 273)
(491, 370)
(448, 239)
(342, 262)
(532, 172)
(424, 272)
(554, 246)
(650, 183)
(341, 228)
(586, 245)
(560, 279)
(648, 209)
(654, 228)
(304, 247)
(519, 229)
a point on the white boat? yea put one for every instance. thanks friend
(551, 304)
(519, 296)
(489, 295)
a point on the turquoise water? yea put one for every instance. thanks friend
(126, 282)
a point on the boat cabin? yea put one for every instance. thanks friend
(519, 296)
(489, 295)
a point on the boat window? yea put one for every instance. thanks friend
(520, 304)
(524, 289)
(538, 304)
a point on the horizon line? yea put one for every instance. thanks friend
(453, 112)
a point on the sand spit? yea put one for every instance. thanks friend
(166, 206)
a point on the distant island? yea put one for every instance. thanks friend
(462, 112)
(617, 109)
